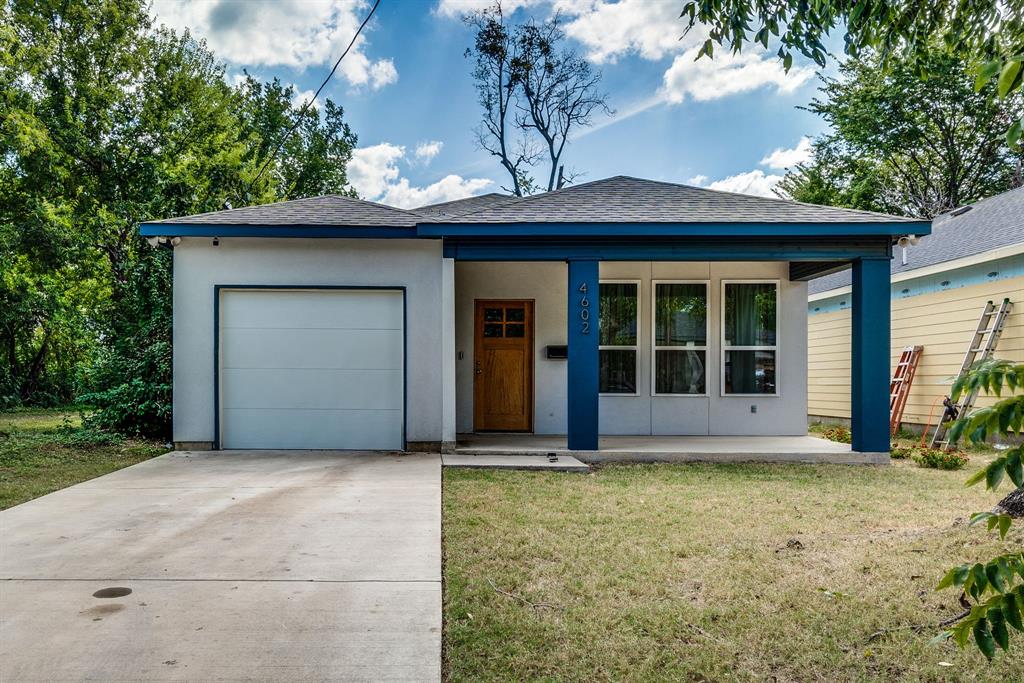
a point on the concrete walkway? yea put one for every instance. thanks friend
(773, 449)
(302, 566)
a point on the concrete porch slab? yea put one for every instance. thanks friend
(769, 449)
(564, 463)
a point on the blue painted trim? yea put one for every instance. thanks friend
(315, 231)
(543, 230)
(584, 356)
(780, 229)
(216, 345)
(869, 386)
(1005, 268)
(680, 250)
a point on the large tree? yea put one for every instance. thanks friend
(534, 92)
(987, 33)
(109, 121)
(902, 144)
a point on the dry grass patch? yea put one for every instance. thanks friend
(709, 572)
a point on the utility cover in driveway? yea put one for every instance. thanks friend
(312, 369)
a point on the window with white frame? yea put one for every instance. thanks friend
(680, 339)
(619, 322)
(749, 337)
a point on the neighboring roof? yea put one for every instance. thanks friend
(622, 199)
(329, 210)
(990, 224)
(460, 207)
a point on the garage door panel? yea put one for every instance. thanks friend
(312, 348)
(313, 389)
(310, 369)
(313, 429)
(342, 309)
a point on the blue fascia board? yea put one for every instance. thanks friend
(722, 251)
(195, 230)
(485, 230)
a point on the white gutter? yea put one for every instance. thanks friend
(935, 269)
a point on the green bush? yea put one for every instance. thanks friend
(840, 434)
(85, 437)
(939, 459)
(899, 453)
(130, 385)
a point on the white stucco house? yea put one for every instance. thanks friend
(616, 307)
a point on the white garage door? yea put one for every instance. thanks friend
(311, 369)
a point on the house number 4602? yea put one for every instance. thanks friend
(584, 309)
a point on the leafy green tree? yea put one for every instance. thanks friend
(109, 121)
(902, 144)
(311, 161)
(996, 587)
(988, 33)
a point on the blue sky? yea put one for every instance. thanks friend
(729, 123)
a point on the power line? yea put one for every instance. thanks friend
(307, 105)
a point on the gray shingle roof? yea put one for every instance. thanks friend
(329, 210)
(990, 224)
(459, 207)
(623, 199)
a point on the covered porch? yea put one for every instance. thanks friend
(572, 244)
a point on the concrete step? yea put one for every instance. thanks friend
(559, 463)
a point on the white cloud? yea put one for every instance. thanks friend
(372, 169)
(782, 158)
(698, 180)
(754, 182)
(451, 187)
(375, 174)
(609, 30)
(294, 33)
(728, 74)
(425, 151)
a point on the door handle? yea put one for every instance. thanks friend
(479, 370)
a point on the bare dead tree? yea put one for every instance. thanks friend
(494, 51)
(560, 91)
(534, 94)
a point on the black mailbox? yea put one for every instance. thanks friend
(557, 351)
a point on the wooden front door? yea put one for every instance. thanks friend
(503, 366)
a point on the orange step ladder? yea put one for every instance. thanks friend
(899, 388)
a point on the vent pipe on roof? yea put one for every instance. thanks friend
(961, 211)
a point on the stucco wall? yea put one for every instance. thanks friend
(198, 266)
(714, 414)
(942, 321)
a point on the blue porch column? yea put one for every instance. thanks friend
(869, 408)
(583, 354)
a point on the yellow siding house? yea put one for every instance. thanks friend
(975, 254)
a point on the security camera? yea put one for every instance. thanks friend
(175, 241)
(908, 240)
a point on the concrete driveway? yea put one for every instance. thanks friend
(243, 565)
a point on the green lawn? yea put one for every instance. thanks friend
(710, 573)
(45, 450)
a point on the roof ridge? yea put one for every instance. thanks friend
(549, 193)
(770, 199)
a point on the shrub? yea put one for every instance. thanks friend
(940, 459)
(839, 434)
(85, 437)
(899, 453)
